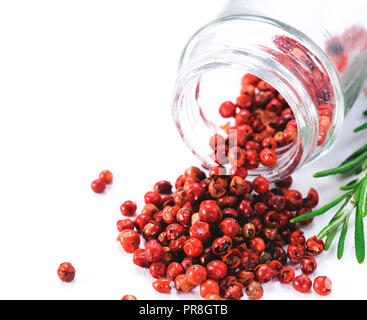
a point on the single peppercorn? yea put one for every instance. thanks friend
(129, 297)
(66, 272)
(157, 270)
(314, 246)
(216, 270)
(302, 283)
(98, 186)
(128, 208)
(322, 285)
(308, 265)
(286, 275)
(196, 274)
(209, 287)
(193, 247)
(162, 285)
(106, 176)
(261, 184)
(129, 240)
(254, 290)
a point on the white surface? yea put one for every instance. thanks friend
(86, 86)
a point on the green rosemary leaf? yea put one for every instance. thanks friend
(362, 201)
(351, 185)
(355, 154)
(343, 235)
(330, 238)
(359, 238)
(338, 219)
(342, 210)
(365, 113)
(323, 209)
(343, 168)
(361, 127)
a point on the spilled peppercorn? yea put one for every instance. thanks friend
(223, 233)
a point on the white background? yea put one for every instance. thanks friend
(86, 86)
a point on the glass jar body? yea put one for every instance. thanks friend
(310, 64)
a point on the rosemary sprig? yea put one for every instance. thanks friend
(354, 201)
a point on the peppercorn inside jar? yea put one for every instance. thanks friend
(255, 92)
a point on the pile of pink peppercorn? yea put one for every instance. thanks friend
(222, 233)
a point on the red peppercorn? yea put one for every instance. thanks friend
(254, 290)
(125, 224)
(216, 270)
(200, 230)
(215, 141)
(322, 285)
(257, 244)
(285, 183)
(286, 275)
(244, 101)
(129, 240)
(232, 259)
(245, 209)
(221, 245)
(269, 143)
(295, 252)
(193, 247)
(314, 246)
(195, 172)
(153, 251)
(153, 197)
(245, 277)
(209, 287)
(169, 213)
(261, 184)
(312, 199)
(106, 176)
(140, 221)
(181, 283)
(174, 231)
(268, 157)
(157, 270)
(239, 172)
(294, 200)
(128, 208)
(229, 227)
(149, 209)
(194, 192)
(129, 297)
(218, 187)
(139, 258)
(162, 285)
(212, 296)
(252, 159)
(302, 283)
(196, 274)
(151, 230)
(236, 156)
(276, 266)
(297, 237)
(209, 211)
(66, 272)
(264, 273)
(227, 109)
(234, 291)
(308, 265)
(174, 269)
(98, 186)
(163, 187)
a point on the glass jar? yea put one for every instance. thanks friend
(313, 52)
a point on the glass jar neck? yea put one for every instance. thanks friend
(276, 53)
